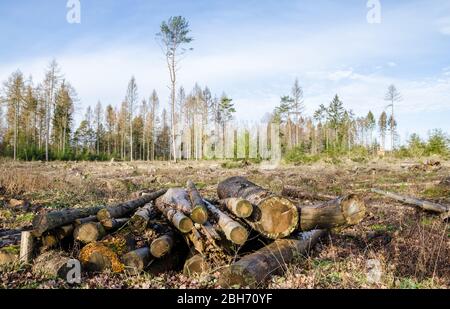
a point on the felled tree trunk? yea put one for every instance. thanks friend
(52, 263)
(199, 214)
(296, 192)
(85, 220)
(176, 217)
(139, 221)
(178, 199)
(26, 247)
(256, 268)
(425, 205)
(105, 215)
(162, 245)
(273, 216)
(344, 211)
(54, 219)
(89, 232)
(234, 232)
(136, 261)
(239, 207)
(195, 264)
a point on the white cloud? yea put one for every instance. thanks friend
(392, 64)
(444, 25)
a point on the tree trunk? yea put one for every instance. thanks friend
(136, 261)
(52, 263)
(273, 216)
(425, 205)
(234, 232)
(199, 212)
(85, 220)
(89, 232)
(26, 247)
(238, 206)
(256, 268)
(341, 212)
(298, 193)
(51, 220)
(121, 210)
(178, 219)
(140, 220)
(178, 199)
(162, 245)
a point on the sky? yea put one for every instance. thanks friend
(251, 50)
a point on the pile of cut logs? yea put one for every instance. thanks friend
(247, 233)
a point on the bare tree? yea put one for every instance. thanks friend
(393, 96)
(98, 123)
(173, 36)
(131, 99)
(52, 79)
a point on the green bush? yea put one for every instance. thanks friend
(298, 155)
(438, 143)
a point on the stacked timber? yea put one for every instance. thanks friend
(247, 227)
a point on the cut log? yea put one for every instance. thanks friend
(4, 233)
(210, 232)
(139, 221)
(178, 199)
(136, 261)
(89, 232)
(425, 205)
(116, 224)
(273, 216)
(196, 239)
(239, 207)
(26, 247)
(51, 220)
(298, 193)
(341, 212)
(53, 263)
(64, 231)
(9, 255)
(254, 269)
(121, 210)
(199, 213)
(85, 220)
(97, 257)
(177, 218)
(233, 231)
(195, 265)
(162, 245)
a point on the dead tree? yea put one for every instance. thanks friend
(256, 268)
(273, 216)
(343, 211)
(425, 205)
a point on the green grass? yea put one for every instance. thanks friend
(383, 228)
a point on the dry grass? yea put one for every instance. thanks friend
(410, 247)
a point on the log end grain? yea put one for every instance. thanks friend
(199, 214)
(195, 265)
(279, 217)
(97, 257)
(161, 246)
(353, 209)
(89, 232)
(236, 233)
(183, 223)
(136, 261)
(243, 208)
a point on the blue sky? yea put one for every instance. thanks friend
(252, 50)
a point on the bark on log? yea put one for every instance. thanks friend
(425, 205)
(139, 221)
(26, 247)
(85, 220)
(105, 216)
(54, 219)
(239, 207)
(89, 232)
(254, 269)
(178, 199)
(233, 231)
(4, 233)
(136, 261)
(199, 213)
(344, 211)
(177, 218)
(162, 245)
(296, 192)
(52, 263)
(273, 216)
